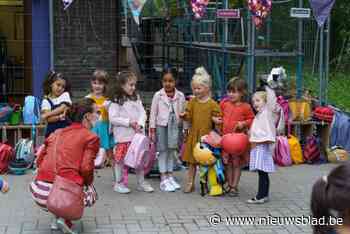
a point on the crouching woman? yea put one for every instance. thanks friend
(69, 153)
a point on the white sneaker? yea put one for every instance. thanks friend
(258, 201)
(145, 187)
(166, 186)
(173, 182)
(121, 188)
(64, 227)
(54, 225)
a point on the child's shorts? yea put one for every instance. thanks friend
(101, 129)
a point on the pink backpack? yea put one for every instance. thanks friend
(138, 151)
(285, 109)
(282, 152)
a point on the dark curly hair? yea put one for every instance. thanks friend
(80, 108)
(51, 77)
(116, 92)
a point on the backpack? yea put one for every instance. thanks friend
(311, 150)
(5, 112)
(138, 151)
(285, 110)
(295, 150)
(282, 152)
(337, 154)
(24, 151)
(31, 110)
(6, 155)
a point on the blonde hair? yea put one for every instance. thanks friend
(202, 77)
(261, 94)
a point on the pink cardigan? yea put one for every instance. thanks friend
(263, 128)
(161, 108)
(120, 117)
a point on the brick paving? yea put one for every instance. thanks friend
(162, 213)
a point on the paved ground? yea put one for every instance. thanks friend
(169, 212)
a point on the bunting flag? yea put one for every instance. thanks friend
(66, 4)
(136, 8)
(321, 10)
(199, 7)
(260, 9)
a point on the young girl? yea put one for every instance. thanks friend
(4, 186)
(167, 104)
(127, 117)
(56, 102)
(99, 84)
(262, 138)
(237, 117)
(201, 111)
(330, 201)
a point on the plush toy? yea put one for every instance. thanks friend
(211, 169)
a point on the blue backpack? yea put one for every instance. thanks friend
(24, 157)
(31, 110)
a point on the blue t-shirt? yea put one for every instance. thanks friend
(1, 184)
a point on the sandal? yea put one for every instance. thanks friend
(233, 192)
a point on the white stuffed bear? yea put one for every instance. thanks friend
(277, 77)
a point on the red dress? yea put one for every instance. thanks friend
(232, 114)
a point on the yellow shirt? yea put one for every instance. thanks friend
(101, 103)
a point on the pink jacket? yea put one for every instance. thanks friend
(263, 128)
(161, 108)
(120, 117)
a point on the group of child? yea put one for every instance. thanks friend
(122, 115)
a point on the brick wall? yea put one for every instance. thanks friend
(85, 37)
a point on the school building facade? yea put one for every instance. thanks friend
(38, 35)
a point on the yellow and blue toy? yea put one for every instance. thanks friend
(211, 169)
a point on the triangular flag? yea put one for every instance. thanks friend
(136, 8)
(66, 3)
(260, 9)
(321, 10)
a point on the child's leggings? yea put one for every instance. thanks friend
(264, 185)
(121, 174)
(166, 161)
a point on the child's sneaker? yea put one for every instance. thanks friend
(166, 186)
(65, 226)
(54, 225)
(121, 188)
(145, 187)
(258, 201)
(173, 182)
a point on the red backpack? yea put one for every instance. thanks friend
(6, 155)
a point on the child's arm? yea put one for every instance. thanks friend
(154, 111)
(187, 114)
(115, 118)
(216, 115)
(143, 116)
(54, 115)
(271, 101)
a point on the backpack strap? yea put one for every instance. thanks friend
(51, 103)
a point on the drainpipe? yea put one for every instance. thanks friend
(52, 62)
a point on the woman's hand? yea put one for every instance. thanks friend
(217, 120)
